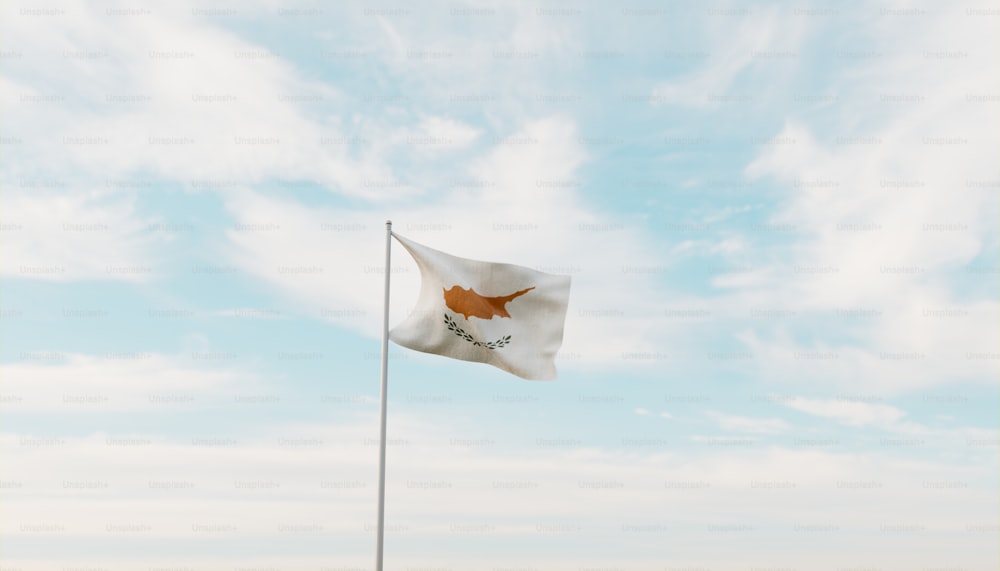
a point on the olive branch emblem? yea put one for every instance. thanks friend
(453, 327)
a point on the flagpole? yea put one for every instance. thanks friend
(385, 383)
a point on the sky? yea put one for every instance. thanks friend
(780, 220)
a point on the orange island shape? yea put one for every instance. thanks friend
(469, 303)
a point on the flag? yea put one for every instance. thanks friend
(508, 316)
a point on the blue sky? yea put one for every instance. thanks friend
(781, 349)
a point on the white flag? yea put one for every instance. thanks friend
(508, 316)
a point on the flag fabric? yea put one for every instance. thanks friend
(508, 316)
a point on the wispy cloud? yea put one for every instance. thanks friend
(848, 412)
(750, 425)
(118, 381)
(55, 233)
(761, 35)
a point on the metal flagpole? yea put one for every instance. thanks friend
(385, 379)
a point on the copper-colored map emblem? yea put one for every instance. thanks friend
(471, 304)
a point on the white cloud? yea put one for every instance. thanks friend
(914, 339)
(457, 134)
(880, 188)
(885, 220)
(254, 312)
(737, 45)
(328, 260)
(435, 135)
(119, 381)
(750, 425)
(851, 413)
(208, 107)
(62, 236)
(893, 422)
(521, 195)
(395, 40)
(323, 476)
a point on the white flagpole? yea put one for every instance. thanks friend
(385, 380)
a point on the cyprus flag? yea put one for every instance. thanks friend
(508, 316)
